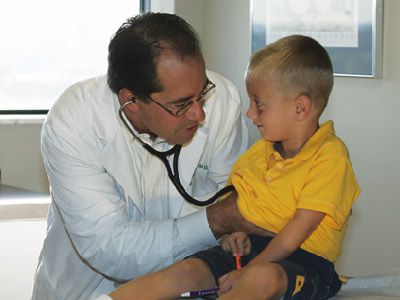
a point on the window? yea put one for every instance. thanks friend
(47, 45)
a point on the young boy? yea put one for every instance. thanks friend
(297, 183)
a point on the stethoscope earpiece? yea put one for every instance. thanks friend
(132, 100)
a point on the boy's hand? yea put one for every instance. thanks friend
(228, 281)
(238, 243)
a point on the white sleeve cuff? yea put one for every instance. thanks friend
(104, 297)
(192, 234)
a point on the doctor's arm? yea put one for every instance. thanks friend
(224, 217)
(108, 232)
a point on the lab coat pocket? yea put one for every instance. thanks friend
(203, 185)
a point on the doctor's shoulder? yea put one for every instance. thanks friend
(226, 92)
(73, 108)
(223, 108)
(76, 95)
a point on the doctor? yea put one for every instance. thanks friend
(115, 214)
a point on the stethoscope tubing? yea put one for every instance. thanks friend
(173, 174)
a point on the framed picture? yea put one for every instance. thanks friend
(350, 30)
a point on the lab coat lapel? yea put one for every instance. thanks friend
(190, 156)
(118, 162)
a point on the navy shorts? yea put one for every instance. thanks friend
(309, 276)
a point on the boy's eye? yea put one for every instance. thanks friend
(258, 103)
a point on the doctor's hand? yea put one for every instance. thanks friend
(224, 217)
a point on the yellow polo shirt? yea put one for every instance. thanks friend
(320, 177)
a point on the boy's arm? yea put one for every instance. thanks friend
(302, 225)
(295, 232)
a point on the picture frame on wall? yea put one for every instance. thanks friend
(350, 30)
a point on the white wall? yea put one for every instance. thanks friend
(365, 114)
(20, 245)
(20, 159)
(193, 9)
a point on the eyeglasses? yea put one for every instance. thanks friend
(181, 108)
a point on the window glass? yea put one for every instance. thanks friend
(46, 45)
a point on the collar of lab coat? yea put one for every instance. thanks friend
(118, 162)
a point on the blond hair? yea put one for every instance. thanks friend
(297, 63)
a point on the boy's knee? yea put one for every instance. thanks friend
(269, 277)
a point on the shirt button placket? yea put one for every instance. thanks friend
(267, 176)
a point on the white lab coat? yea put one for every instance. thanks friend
(114, 214)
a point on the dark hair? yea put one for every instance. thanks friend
(134, 50)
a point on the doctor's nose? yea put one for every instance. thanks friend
(196, 112)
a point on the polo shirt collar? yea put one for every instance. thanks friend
(324, 132)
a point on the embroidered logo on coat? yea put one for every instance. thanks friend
(203, 166)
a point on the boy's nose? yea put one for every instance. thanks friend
(250, 113)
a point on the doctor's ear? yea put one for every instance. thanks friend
(125, 96)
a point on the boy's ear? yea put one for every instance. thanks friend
(302, 107)
(125, 95)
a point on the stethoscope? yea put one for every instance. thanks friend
(173, 174)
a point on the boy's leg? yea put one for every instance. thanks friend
(259, 282)
(282, 279)
(170, 283)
